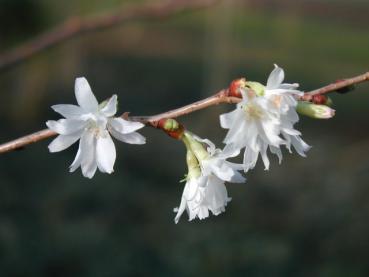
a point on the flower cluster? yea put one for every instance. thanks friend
(262, 121)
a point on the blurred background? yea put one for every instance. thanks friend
(305, 217)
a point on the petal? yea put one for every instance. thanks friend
(85, 98)
(62, 142)
(124, 126)
(249, 158)
(105, 153)
(238, 128)
(211, 146)
(66, 126)
(88, 154)
(264, 156)
(276, 151)
(110, 108)
(227, 119)
(223, 172)
(68, 111)
(300, 146)
(77, 160)
(229, 151)
(238, 178)
(276, 78)
(279, 90)
(132, 138)
(181, 209)
(269, 131)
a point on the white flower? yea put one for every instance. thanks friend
(92, 124)
(208, 170)
(264, 119)
(201, 195)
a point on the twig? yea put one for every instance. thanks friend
(78, 26)
(220, 97)
(336, 86)
(23, 141)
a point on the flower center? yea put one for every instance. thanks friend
(97, 127)
(253, 111)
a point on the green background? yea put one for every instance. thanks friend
(305, 217)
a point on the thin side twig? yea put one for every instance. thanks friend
(76, 26)
(220, 97)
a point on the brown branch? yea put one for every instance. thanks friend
(23, 141)
(220, 97)
(77, 26)
(336, 86)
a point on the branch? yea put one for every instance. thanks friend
(336, 86)
(218, 98)
(77, 26)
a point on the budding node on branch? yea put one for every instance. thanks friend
(171, 127)
(321, 99)
(236, 86)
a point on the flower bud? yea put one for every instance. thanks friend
(171, 127)
(320, 99)
(235, 86)
(314, 110)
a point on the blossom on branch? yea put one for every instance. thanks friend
(263, 120)
(92, 124)
(208, 169)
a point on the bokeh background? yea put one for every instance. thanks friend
(305, 217)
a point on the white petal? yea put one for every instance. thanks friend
(227, 119)
(223, 171)
(289, 86)
(124, 126)
(269, 132)
(88, 154)
(249, 158)
(280, 91)
(110, 108)
(132, 138)
(229, 151)
(264, 156)
(68, 111)
(276, 151)
(238, 178)
(77, 160)
(276, 78)
(181, 209)
(85, 98)
(62, 142)
(66, 126)
(239, 127)
(300, 146)
(105, 153)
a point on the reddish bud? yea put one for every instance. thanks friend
(171, 127)
(235, 86)
(319, 99)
